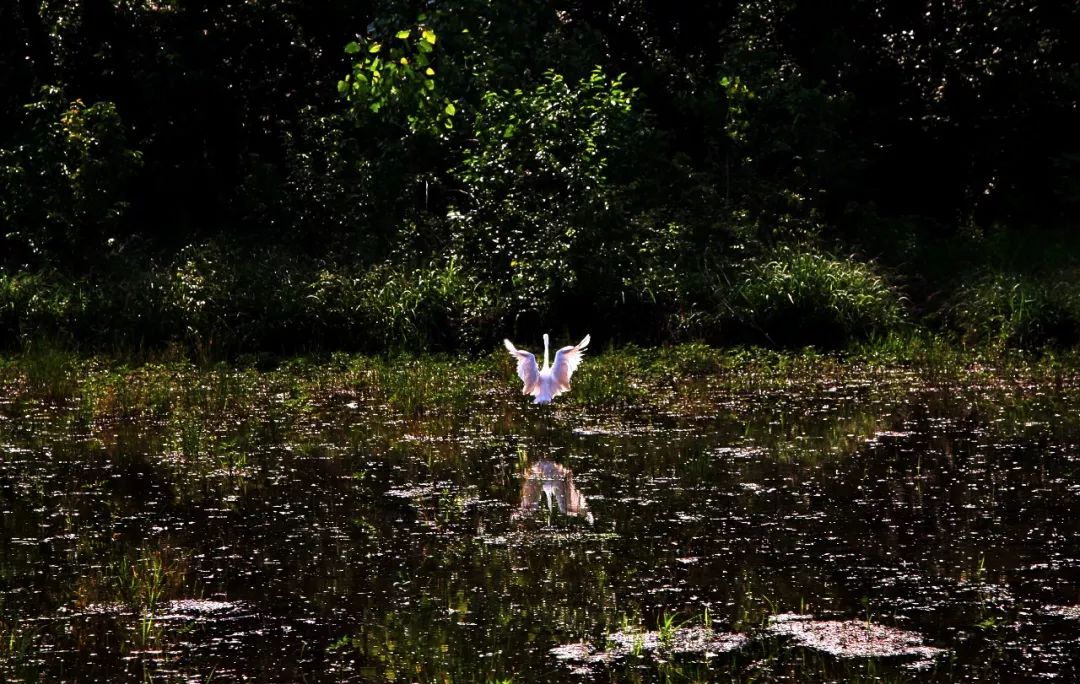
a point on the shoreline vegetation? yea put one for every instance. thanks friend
(681, 381)
(216, 304)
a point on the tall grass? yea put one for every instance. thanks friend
(1009, 310)
(438, 306)
(49, 372)
(211, 417)
(139, 582)
(797, 297)
(215, 301)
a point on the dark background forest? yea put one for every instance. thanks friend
(227, 177)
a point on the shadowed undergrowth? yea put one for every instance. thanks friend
(213, 302)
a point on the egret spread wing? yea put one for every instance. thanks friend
(567, 360)
(527, 369)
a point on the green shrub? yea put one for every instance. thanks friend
(36, 306)
(546, 215)
(438, 306)
(1015, 311)
(804, 297)
(226, 298)
(63, 186)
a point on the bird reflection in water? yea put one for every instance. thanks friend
(553, 484)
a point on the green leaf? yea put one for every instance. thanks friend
(428, 35)
(352, 48)
(404, 35)
(429, 71)
(342, 86)
(450, 109)
(375, 47)
(424, 47)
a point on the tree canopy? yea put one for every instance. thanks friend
(282, 173)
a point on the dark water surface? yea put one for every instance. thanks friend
(345, 543)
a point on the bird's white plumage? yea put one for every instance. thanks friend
(566, 362)
(546, 383)
(527, 369)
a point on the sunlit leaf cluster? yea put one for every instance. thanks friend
(395, 80)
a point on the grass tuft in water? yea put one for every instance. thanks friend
(49, 373)
(15, 642)
(666, 628)
(141, 583)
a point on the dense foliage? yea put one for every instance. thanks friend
(278, 175)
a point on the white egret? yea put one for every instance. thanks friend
(550, 381)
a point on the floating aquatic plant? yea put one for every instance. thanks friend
(851, 638)
(669, 639)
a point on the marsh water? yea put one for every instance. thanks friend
(332, 537)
